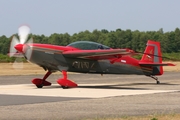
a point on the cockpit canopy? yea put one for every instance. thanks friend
(87, 45)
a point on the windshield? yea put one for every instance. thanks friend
(87, 45)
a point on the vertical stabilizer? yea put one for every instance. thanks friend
(152, 54)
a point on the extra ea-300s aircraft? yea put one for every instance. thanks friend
(86, 57)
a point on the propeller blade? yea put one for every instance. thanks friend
(28, 49)
(13, 43)
(30, 41)
(23, 33)
(18, 64)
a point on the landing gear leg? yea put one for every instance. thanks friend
(42, 82)
(64, 82)
(155, 78)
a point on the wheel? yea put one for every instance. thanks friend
(158, 82)
(64, 87)
(39, 86)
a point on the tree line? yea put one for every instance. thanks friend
(136, 40)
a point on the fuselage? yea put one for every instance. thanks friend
(51, 58)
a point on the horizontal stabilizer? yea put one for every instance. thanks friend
(155, 64)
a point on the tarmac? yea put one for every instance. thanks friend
(95, 97)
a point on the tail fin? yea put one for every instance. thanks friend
(152, 57)
(152, 52)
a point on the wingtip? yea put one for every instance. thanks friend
(170, 64)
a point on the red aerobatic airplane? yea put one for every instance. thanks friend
(86, 57)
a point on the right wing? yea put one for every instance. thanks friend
(98, 54)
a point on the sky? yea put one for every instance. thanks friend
(73, 16)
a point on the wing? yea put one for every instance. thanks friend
(98, 54)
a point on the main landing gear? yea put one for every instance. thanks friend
(63, 82)
(155, 78)
(42, 82)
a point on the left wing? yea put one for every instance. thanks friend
(98, 54)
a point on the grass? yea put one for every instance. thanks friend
(147, 117)
(28, 69)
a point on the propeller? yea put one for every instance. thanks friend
(19, 48)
